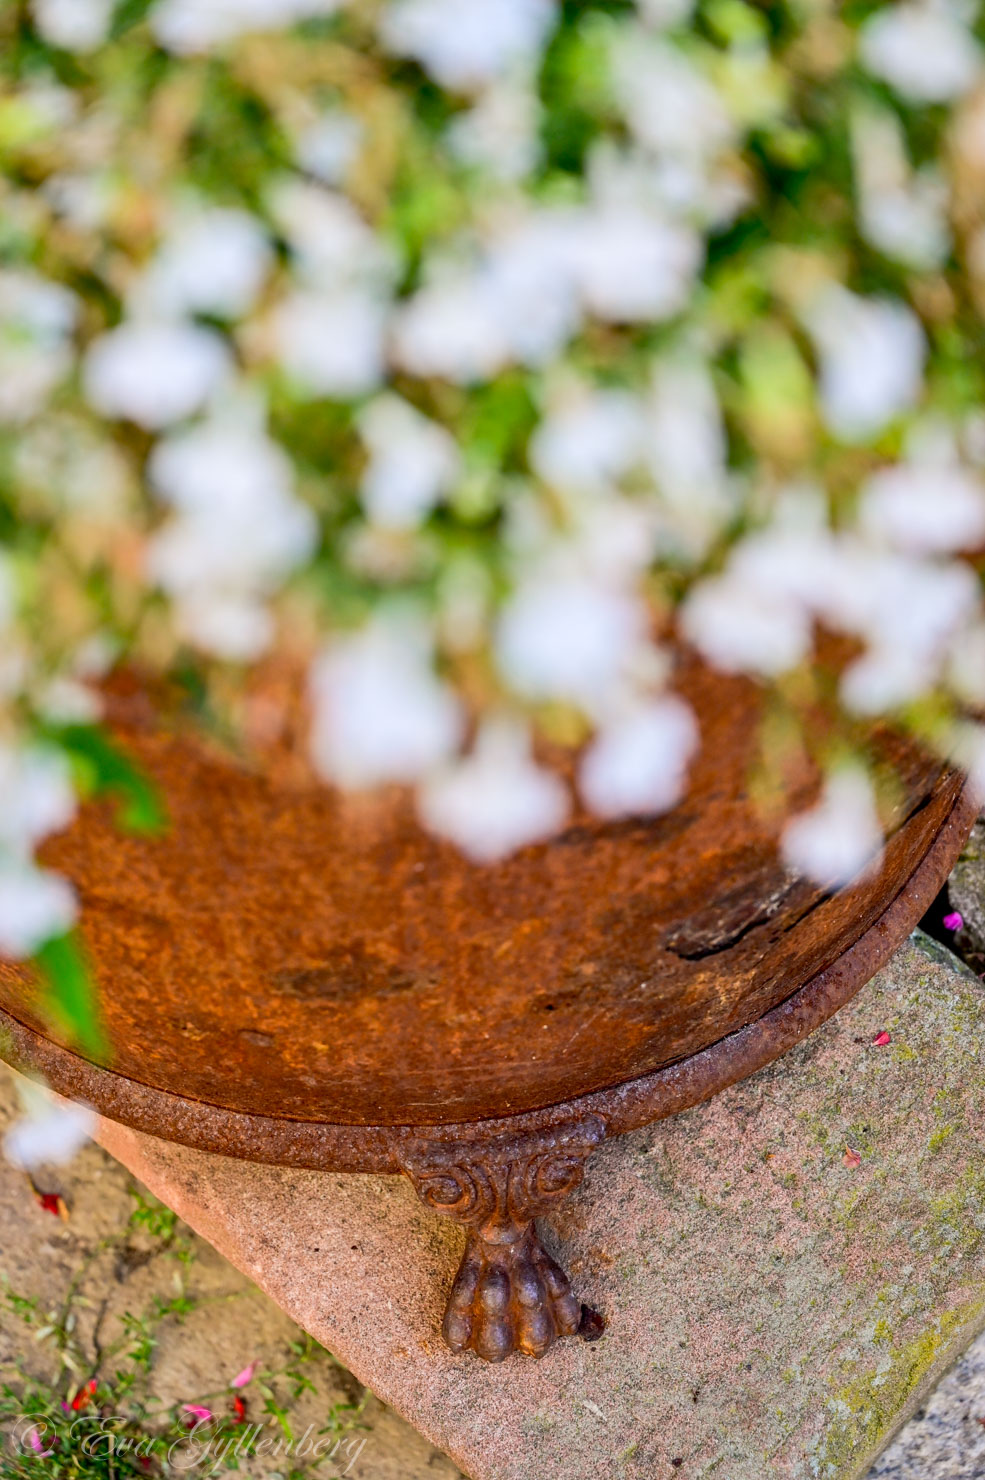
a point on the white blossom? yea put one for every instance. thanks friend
(189, 26)
(497, 799)
(37, 318)
(238, 532)
(214, 262)
(450, 329)
(686, 453)
(328, 146)
(589, 439)
(840, 839)
(635, 265)
(75, 25)
(923, 49)
(665, 13)
(334, 247)
(413, 461)
(925, 507)
(637, 763)
(499, 133)
(564, 636)
(332, 344)
(35, 906)
(36, 796)
(741, 628)
(903, 213)
(380, 712)
(466, 44)
(154, 372)
(51, 1134)
(670, 105)
(872, 353)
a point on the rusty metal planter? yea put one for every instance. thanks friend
(294, 976)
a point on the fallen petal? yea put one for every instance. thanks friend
(881, 1039)
(953, 921)
(851, 1158)
(242, 1378)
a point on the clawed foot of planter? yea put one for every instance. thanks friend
(509, 1294)
(507, 1298)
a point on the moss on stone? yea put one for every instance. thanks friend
(867, 1410)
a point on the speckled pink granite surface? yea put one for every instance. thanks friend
(773, 1312)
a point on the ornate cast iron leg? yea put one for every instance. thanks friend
(509, 1294)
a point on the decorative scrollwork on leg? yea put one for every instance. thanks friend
(509, 1294)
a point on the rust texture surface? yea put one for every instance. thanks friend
(290, 953)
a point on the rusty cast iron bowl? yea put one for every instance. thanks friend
(296, 976)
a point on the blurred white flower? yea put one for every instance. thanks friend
(665, 13)
(634, 265)
(450, 329)
(189, 26)
(214, 261)
(497, 799)
(500, 133)
(903, 213)
(670, 105)
(638, 762)
(925, 507)
(238, 533)
(466, 44)
(380, 712)
(412, 462)
(333, 246)
(687, 453)
(332, 344)
(742, 628)
(589, 439)
(76, 25)
(328, 147)
(154, 373)
(51, 1134)
(886, 677)
(37, 318)
(567, 637)
(872, 353)
(923, 49)
(35, 905)
(840, 839)
(966, 665)
(36, 796)
(967, 750)
(530, 282)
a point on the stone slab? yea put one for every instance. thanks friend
(772, 1311)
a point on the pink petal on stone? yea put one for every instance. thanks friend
(242, 1378)
(881, 1039)
(953, 921)
(196, 1409)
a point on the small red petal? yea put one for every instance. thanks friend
(881, 1039)
(852, 1158)
(239, 1408)
(51, 1202)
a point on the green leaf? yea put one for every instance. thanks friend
(104, 770)
(70, 997)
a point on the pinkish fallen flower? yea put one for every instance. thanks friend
(881, 1039)
(242, 1378)
(197, 1411)
(851, 1158)
(953, 921)
(34, 1439)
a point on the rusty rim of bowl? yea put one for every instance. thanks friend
(623, 1107)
